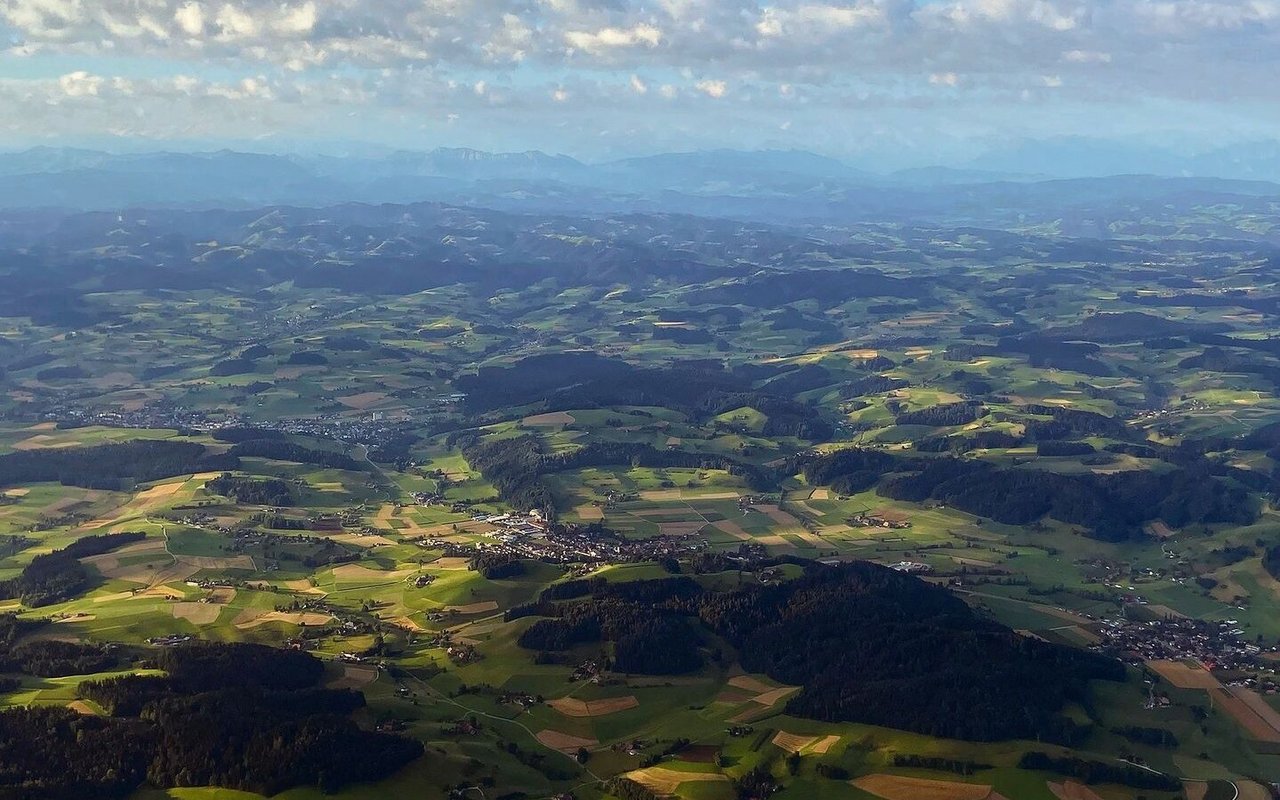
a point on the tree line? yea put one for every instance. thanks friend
(54, 577)
(110, 466)
(238, 716)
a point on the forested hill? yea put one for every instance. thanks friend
(866, 644)
(1111, 507)
(872, 645)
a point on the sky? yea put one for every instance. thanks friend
(609, 78)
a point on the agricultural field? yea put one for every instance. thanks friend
(423, 485)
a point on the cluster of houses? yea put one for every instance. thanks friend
(866, 520)
(912, 567)
(1219, 644)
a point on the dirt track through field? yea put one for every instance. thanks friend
(197, 613)
(664, 781)
(354, 676)
(1185, 676)
(252, 619)
(573, 707)
(897, 787)
(563, 741)
(1071, 790)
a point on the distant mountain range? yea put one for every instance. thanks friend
(770, 185)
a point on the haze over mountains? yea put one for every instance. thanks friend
(771, 185)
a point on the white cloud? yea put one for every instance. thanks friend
(810, 20)
(944, 79)
(81, 84)
(641, 35)
(235, 23)
(712, 88)
(638, 86)
(1086, 57)
(190, 19)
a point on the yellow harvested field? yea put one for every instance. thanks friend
(20, 492)
(680, 528)
(474, 608)
(300, 585)
(824, 745)
(197, 613)
(897, 787)
(45, 442)
(573, 707)
(164, 592)
(563, 741)
(356, 540)
(549, 420)
(1073, 790)
(820, 494)
(1246, 715)
(793, 742)
(222, 594)
(81, 707)
(146, 499)
(77, 618)
(1259, 706)
(732, 528)
(1252, 791)
(750, 684)
(449, 562)
(113, 597)
(664, 781)
(354, 676)
(363, 400)
(1165, 611)
(778, 515)
(589, 513)
(1160, 529)
(862, 355)
(256, 618)
(772, 698)
(355, 572)
(1195, 790)
(111, 561)
(213, 562)
(1185, 676)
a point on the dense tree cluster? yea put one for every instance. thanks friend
(252, 491)
(1100, 772)
(647, 622)
(57, 576)
(110, 466)
(1112, 507)
(288, 451)
(515, 466)
(585, 380)
(871, 645)
(236, 435)
(943, 415)
(1155, 737)
(50, 658)
(866, 643)
(496, 566)
(238, 716)
(1068, 423)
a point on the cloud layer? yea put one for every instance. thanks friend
(247, 68)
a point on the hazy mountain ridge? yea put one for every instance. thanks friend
(772, 185)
